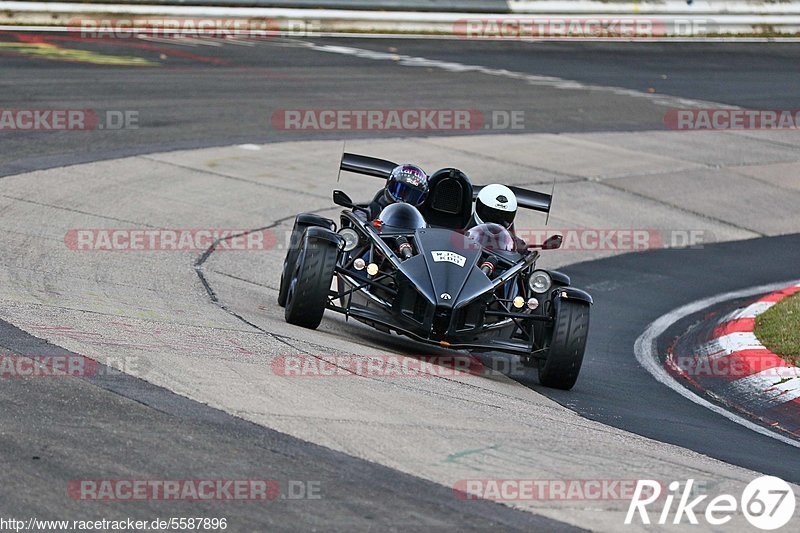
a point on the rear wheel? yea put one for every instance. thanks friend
(310, 282)
(568, 342)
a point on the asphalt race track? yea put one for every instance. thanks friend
(201, 400)
(179, 97)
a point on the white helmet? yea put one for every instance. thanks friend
(496, 204)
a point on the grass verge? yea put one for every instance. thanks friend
(779, 329)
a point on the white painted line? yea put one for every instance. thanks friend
(647, 355)
(202, 42)
(238, 42)
(531, 79)
(166, 41)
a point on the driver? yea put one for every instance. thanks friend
(407, 184)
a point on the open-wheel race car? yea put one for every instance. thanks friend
(416, 271)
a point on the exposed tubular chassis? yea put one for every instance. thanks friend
(438, 294)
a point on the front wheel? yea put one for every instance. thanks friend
(310, 282)
(568, 342)
(301, 222)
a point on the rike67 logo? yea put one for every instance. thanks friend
(767, 503)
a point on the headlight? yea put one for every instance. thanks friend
(350, 237)
(539, 281)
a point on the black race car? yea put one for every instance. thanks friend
(416, 272)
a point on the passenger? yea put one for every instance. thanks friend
(496, 204)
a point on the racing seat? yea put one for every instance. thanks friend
(449, 201)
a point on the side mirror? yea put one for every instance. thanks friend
(553, 242)
(341, 198)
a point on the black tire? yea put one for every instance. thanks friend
(310, 282)
(568, 342)
(295, 241)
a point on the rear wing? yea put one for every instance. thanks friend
(370, 166)
(381, 168)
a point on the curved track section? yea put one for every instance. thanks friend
(624, 394)
(695, 369)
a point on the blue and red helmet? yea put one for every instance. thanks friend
(407, 184)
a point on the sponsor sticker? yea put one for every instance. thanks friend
(440, 256)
